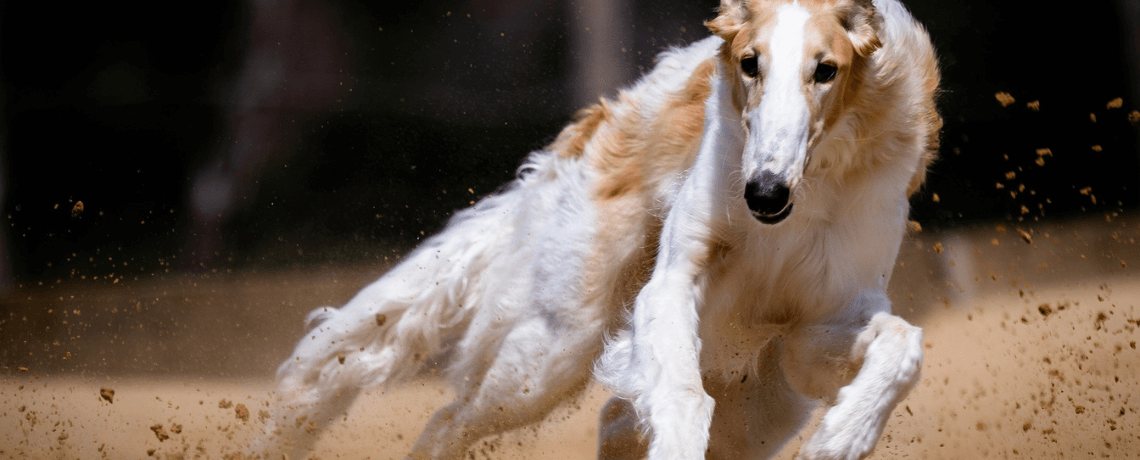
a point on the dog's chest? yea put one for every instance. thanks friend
(763, 289)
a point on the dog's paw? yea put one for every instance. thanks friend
(679, 423)
(839, 443)
(850, 429)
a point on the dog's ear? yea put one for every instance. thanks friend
(731, 15)
(862, 24)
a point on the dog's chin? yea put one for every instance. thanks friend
(772, 219)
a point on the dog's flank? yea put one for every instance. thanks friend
(737, 212)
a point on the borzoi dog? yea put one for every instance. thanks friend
(714, 245)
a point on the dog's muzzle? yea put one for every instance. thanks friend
(768, 197)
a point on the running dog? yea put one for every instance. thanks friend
(714, 245)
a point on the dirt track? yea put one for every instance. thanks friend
(1030, 353)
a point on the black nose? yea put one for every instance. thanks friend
(767, 195)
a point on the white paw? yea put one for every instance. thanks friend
(680, 425)
(841, 441)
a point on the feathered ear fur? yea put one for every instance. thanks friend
(731, 15)
(862, 24)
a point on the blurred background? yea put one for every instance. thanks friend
(175, 141)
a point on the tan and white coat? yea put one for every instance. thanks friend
(649, 245)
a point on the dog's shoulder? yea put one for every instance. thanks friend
(650, 131)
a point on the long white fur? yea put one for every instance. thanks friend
(722, 356)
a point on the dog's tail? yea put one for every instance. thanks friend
(407, 319)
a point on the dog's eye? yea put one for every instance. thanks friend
(749, 66)
(824, 73)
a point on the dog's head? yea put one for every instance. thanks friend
(796, 64)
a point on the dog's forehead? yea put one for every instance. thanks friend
(816, 21)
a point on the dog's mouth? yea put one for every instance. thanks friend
(773, 218)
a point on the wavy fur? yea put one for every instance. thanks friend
(633, 225)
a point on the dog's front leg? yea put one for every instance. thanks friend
(658, 364)
(890, 353)
(666, 365)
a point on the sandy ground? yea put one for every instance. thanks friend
(1030, 353)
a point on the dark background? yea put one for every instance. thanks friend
(342, 132)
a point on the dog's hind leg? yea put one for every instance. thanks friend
(883, 354)
(754, 416)
(531, 345)
(539, 365)
(619, 437)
